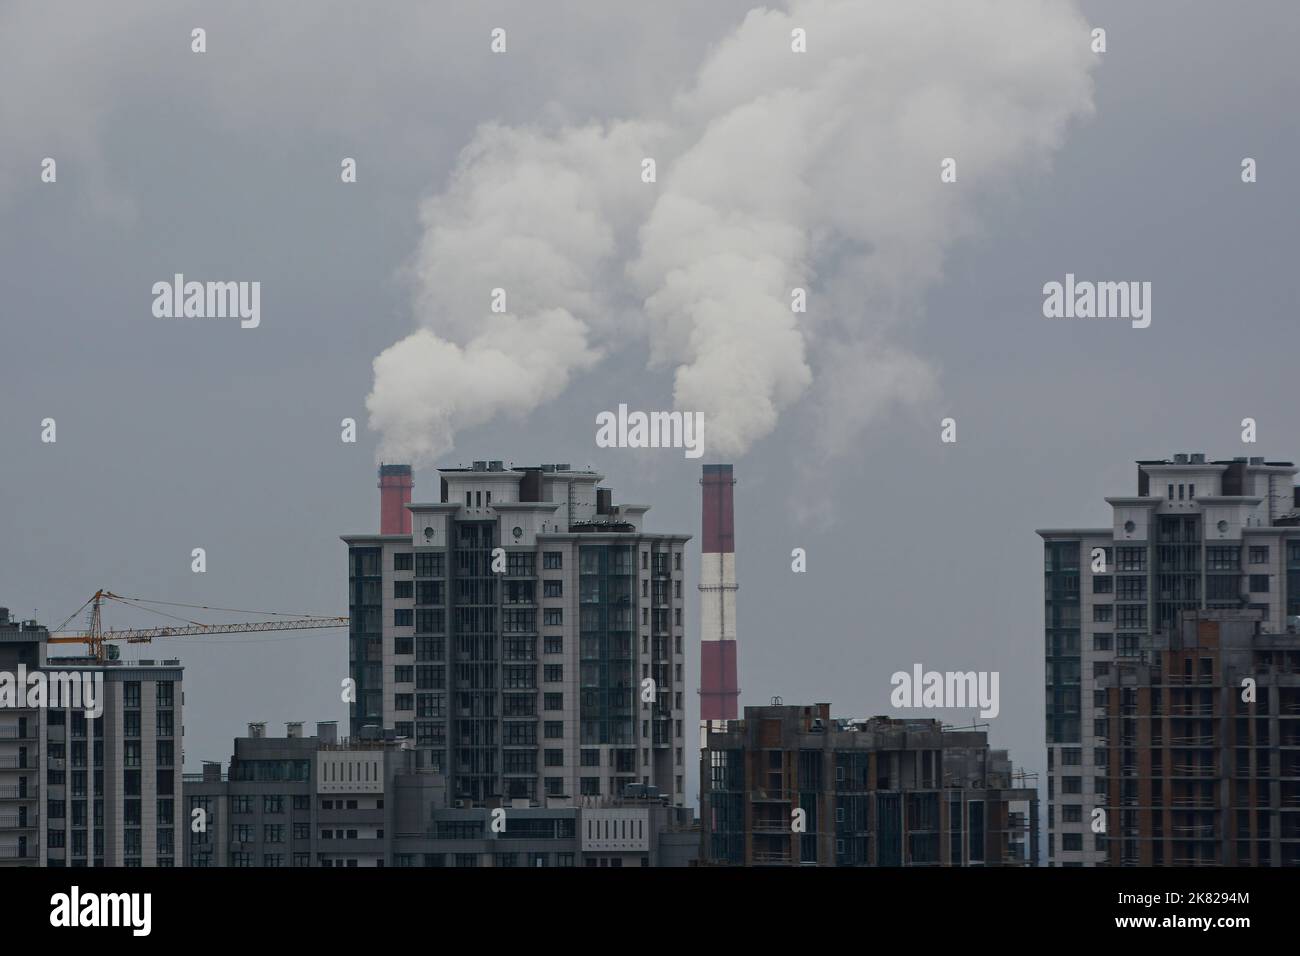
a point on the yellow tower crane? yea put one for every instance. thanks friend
(98, 639)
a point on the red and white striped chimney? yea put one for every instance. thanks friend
(719, 693)
(395, 483)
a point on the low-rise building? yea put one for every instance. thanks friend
(788, 785)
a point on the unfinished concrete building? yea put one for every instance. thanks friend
(1200, 741)
(876, 792)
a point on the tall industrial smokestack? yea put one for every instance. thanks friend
(719, 692)
(395, 483)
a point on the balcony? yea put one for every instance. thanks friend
(14, 853)
(13, 793)
(369, 817)
(358, 844)
(10, 821)
(1184, 772)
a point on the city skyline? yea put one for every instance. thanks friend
(868, 265)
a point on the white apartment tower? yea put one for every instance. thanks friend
(525, 632)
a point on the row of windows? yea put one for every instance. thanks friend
(242, 859)
(165, 782)
(164, 693)
(57, 810)
(423, 592)
(131, 843)
(431, 564)
(531, 859)
(271, 803)
(1219, 587)
(271, 832)
(1216, 559)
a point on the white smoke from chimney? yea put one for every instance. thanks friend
(776, 169)
(543, 217)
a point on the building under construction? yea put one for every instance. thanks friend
(1200, 746)
(877, 792)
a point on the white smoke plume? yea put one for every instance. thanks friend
(776, 170)
(545, 217)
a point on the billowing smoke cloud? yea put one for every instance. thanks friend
(776, 170)
(547, 219)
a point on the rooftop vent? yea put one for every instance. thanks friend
(257, 729)
(1198, 458)
(1180, 459)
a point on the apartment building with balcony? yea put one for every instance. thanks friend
(525, 633)
(1198, 536)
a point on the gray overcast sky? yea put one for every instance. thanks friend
(179, 435)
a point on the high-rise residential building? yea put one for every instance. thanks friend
(790, 786)
(100, 786)
(526, 634)
(114, 783)
(22, 763)
(1198, 536)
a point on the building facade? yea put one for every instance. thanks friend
(298, 801)
(295, 801)
(1198, 536)
(526, 635)
(1201, 746)
(790, 786)
(80, 790)
(22, 761)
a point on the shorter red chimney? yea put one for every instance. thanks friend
(395, 483)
